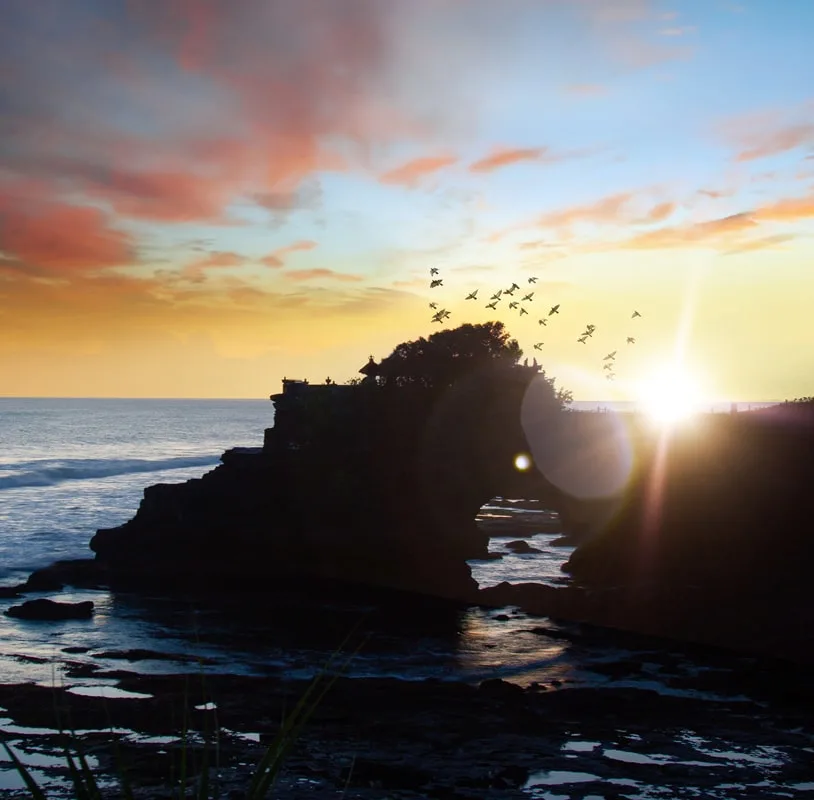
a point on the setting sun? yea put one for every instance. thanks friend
(670, 395)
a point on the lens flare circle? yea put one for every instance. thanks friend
(522, 462)
(586, 455)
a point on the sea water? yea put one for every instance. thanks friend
(69, 467)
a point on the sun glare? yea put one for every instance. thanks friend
(669, 396)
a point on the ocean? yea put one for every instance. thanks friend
(70, 466)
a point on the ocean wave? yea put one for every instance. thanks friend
(50, 472)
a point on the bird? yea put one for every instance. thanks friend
(582, 339)
(445, 314)
(513, 304)
(554, 310)
(433, 305)
(539, 345)
(491, 305)
(587, 334)
(514, 286)
(608, 366)
(631, 340)
(438, 316)
(610, 376)
(523, 311)
(436, 282)
(509, 291)
(433, 270)
(542, 322)
(635, 314)
(610, 356)
(529, 296)
(590, 328)
(496, 295)
(532, 280)
(472, 295)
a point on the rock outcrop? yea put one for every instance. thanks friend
(49, 610)
(364, 484)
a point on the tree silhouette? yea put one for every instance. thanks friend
(444, 357)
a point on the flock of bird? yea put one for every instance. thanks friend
(441, 314)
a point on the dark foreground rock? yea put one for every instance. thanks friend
(50, 610)
(375, 738)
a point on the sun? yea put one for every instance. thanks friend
(670, 395)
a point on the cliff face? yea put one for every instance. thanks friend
(366, 484)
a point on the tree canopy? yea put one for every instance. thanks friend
(441, 358)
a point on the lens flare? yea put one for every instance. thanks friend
(522, 462)
(585, 455)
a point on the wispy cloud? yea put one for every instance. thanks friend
(322, 274)
(712, 232)
(763, 243)
(410, 173)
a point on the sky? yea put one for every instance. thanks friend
(201, 197)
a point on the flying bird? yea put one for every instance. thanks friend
(433, 270)
(436, 282)
(532, 280)
(491, 305)
(445, 314)
(610, 356)
(433, 305)
(509, 291)
(608, 366)
(542, 322)
(635, 314)
(438, 316)
(582, 339)
(523, 311)
(529, 296)
(590, 328)
(554, 310)
(514, 286)
(472, 295)
(496, 295)
(610, 376)
(513, 304)
(631, 340)
(539, 345)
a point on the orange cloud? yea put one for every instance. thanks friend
(771, 143)
(56, 237)
(503, 158)
(222, 259)
(276, 258)
(659, 212)
(787, 210)
(313, 274)
(700, 233)
(413, 171)
(607, 210)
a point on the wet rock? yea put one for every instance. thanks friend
(50, 610)
(521, 546)
(83, 572)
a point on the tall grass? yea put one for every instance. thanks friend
(86, 785)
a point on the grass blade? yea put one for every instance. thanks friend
(36, 792)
